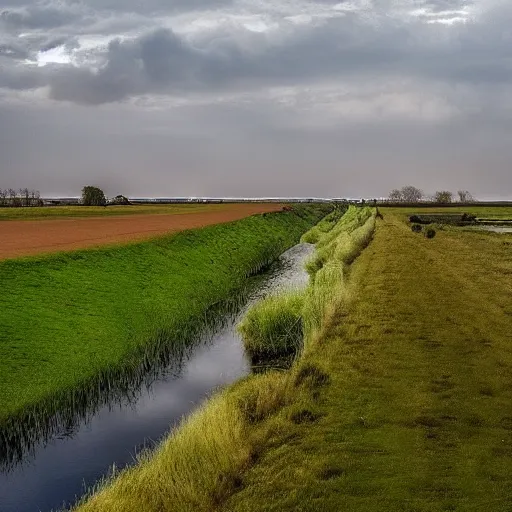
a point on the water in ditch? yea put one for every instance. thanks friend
(55, 473)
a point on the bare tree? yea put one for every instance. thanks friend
(25, 196)
(396, 195)
(411, 194)
(444, 197)
(13, 197)
(465, 196)
(3, 197)
(34, 197)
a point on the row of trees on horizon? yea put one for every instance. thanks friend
(20, 197)
(410, 194)
(93, 196)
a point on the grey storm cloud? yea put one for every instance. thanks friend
(164, 62)
(155, 5)
(20, 80)
(229, 96)
(50, 14)
(37, 17)
(13, 51)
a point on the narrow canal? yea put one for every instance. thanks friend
(57, 472)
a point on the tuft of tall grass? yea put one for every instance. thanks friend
(201, 462)
(273, 327)
(339, 240)
(328, 289)
(324, 226)
(279, 325)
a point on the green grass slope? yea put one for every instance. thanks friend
(64, 318)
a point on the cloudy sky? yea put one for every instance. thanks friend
(256, 97)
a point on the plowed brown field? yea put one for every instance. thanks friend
(23, 238)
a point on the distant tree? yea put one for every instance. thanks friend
(93, 196)
(14, 200)
(32, 198)
(396, 195)
(119, 200)
(411, 194)
(465, 196)
(3, 197)
(443, 196)
(35, 198)
(25, 196)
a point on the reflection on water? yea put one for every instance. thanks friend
(494, 229)
(58, 472)
(499, 229)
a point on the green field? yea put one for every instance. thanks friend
(491, 212)
(61, 212)
(68, 317)
(400, 402)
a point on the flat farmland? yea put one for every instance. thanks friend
(54, 229)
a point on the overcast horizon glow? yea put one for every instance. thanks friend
(256, 97)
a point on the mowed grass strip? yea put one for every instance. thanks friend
(417, 414)
(68, 316)
(62, 212)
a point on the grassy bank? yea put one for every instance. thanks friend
(206, 460)
(417, 413)
(282, 324)
(75, 325)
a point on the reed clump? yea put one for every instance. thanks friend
(324, 226)
(279, 325)
(274, 326)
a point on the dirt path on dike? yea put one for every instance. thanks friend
(24, 238)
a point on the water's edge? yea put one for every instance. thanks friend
(60, 470)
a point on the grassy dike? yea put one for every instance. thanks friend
(78, 325)
(417, 413)
(205, 461)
